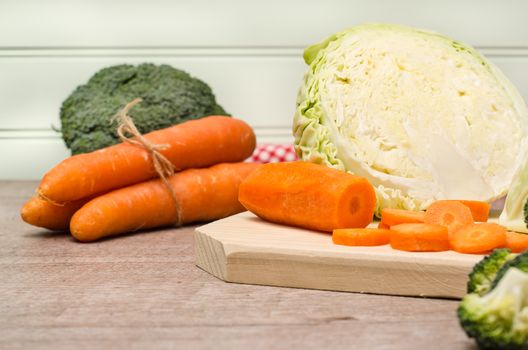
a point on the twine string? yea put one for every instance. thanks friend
(163, 167)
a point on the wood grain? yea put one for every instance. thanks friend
(144, 291)
(245, 249)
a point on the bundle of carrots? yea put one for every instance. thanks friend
(460, 225)
(114, 190)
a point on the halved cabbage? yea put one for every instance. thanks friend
(423, 117)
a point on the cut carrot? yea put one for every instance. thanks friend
(192, 144)
(361, 236)
(41, 213)
(398, 216)
(203, 195)
(478, 238)
(308, 195)
(451, 214)
(419, 237)
(517, 242)
(383, 225)
(479, 210)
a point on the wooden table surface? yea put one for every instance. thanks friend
(143, 291)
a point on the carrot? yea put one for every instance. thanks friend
(308, 195)
(361, 236)
(478, 238)
(451, 214)
(419, 237)
(41, 213)
(383, 225)
(479, 210)
(203, 194)
(193, 144)
(517, 242)
(398, 216)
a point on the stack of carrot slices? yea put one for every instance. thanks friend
(460, 225)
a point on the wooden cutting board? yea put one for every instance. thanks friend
(245, 249)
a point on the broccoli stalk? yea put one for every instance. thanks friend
(483, 273)
(499, 319)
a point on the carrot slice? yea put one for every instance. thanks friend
(392, 217)
(419, 237)
(361, 236)
(451, 214)
(517, 242)
(478, 238)
(383, 225)
(479, 210)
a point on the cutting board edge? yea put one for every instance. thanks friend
(239, 263)
(210, 254)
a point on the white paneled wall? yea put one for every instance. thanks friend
(250, 52)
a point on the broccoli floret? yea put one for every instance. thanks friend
(520, 262)
(169, 96)
(499, 319)
(484, 272)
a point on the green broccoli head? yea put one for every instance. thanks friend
(499, 319)
(484, 272)
(169, 96)
(519, 261)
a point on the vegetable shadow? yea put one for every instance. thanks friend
(47, 234)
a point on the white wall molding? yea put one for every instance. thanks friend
(7, 134)
(61, 52)
(154, 52)
(264, 134)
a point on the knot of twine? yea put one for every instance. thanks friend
(163, 167)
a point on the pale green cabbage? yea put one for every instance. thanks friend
(514, 216)
(421, 116)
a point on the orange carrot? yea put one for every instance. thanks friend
(479, 210)
(419, 237)
(383, 225)
(478, 238)
(451, 214)
(361, 236)
(193, 144)
(41, 213)
(517, 242)
(308, 195)
(203, 195)
(398, 216)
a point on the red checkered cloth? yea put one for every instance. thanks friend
(273, 153)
